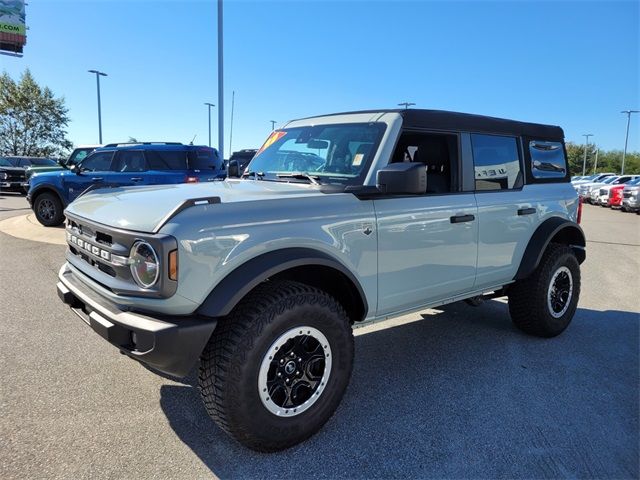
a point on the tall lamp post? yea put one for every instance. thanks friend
(220, 84)
(98, 75)
(586, 145)
(209, 105)
(626, 138)
(406, 105)
(273, 125)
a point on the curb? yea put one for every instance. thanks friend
(28, 228)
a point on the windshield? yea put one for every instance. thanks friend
(4, 162)
(608, 180)
(331, 153)
(635, 181)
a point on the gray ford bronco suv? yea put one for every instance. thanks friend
(338, 220)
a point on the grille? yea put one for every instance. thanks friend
(603, 191)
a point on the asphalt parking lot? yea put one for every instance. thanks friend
(461, 394)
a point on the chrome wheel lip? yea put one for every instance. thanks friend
(551, 290)
(263, 391)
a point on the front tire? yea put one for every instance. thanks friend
(48, 209)
(277, 367)
(544, 303)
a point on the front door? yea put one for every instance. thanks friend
(94, 171)
(427, 244)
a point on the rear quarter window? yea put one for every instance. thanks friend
(203, 159)
(547, 159)
(167, 159)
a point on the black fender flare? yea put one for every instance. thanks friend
(237, 284)
(554, 228)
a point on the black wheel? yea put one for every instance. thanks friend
(277, 367)
(545, 303)
(48, 209)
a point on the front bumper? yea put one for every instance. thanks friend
(12, 185)
(170, 345)
(632, 203)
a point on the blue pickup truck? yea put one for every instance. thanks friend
(121, 165)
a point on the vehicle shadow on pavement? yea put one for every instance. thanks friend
(460, 394)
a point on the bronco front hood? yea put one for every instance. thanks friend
(143, 209)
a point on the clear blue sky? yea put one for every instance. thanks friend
(574, 64)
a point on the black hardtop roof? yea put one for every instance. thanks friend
(468, 122)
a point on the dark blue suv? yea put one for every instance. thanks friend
(118, 165)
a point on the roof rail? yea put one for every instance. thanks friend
(141, 143)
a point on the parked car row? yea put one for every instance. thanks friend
(609, 190)
(13, 171)
(118, 165)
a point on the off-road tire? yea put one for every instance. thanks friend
(230, 363)
(56, 217)
(528, 304)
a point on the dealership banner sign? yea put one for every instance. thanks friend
(13, 30)
(12, 17)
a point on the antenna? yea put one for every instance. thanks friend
(193, 139)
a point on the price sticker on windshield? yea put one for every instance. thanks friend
(273, 138)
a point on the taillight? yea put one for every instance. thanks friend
(579, 210)
(191, 180)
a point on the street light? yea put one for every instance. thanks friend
(406, 105)
(209, 105)
(98, 75)
(586, 145)
(626, 138)
(273, 125)
(220, 83)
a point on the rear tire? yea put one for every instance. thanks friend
(48, 209)
(544, 303)
(283, 331)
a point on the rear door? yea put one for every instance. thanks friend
(130, 168)
(203, 163)
(507, 212)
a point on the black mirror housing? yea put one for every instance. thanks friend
(408, 178)
(233, 169)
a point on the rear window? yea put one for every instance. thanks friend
(167, 160)
(203, 159)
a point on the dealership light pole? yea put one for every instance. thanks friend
(626, 138)
(595, 165)
(273, 125)
(209, 105)
(586, 145)
(98, 75)
(220, 84)
(406, 105)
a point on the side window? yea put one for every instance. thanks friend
(24, 163)
(547, 159)
(130, 161)
(167, 160)
(439, 153)
(496, 162)
(98, 162)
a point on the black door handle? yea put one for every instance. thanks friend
(462, 218)
(526, 211)
(97, 179)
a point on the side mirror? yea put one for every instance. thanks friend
(403, 178)
(233, 170)
(76, 169)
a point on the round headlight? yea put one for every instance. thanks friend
(3, 175)
(145, 267)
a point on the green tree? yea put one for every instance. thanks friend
(32, 120)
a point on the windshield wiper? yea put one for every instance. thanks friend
(300, 176)
(256, 175)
